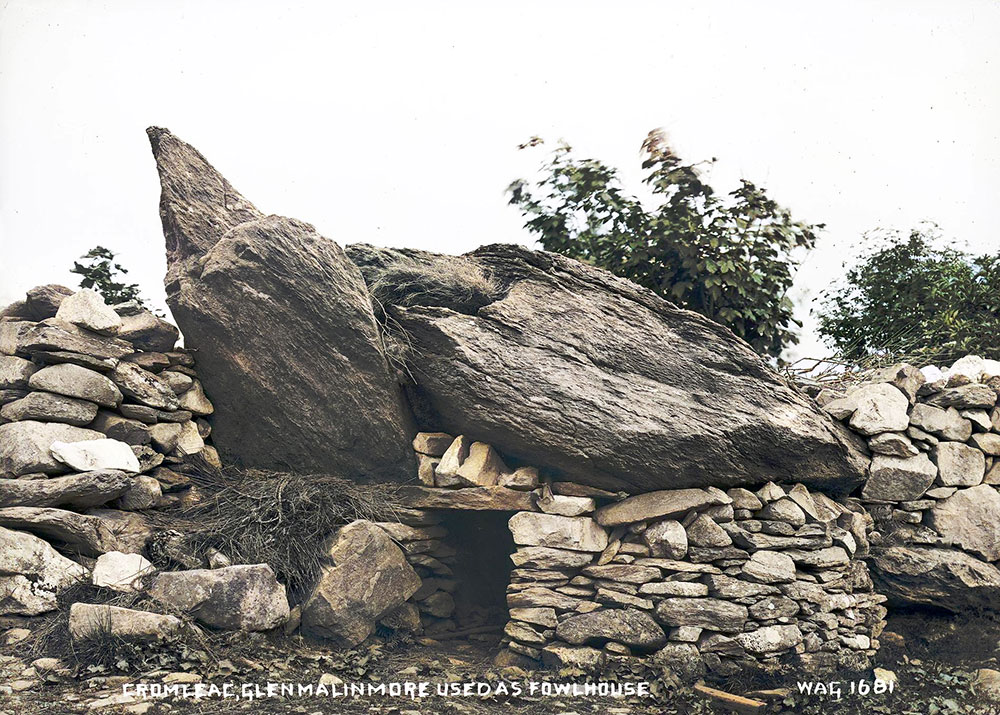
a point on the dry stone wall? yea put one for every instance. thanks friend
(933, 488)
(700, 579)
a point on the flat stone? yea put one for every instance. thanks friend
(541, 598)
(165, 436)
(785, 510)
(629, 626)
(245, 597)
(55, 335)
(830, 557)
(49, 407)
(942, 578)
(123, 429)
(566, 506)
(33, 574)
(91, 455)
(703, 531)
(666, 539)
(708, 613)
(121, 572)
(988, 442)
(433, 444)
(770, 567)
(472, 498)
(146, 415)
(894, 444)
(946, 424)
(78, 490)
(147, 331)
(722, 586)
(969, 519)
(88, 620)
(772, 607)
(899, 478)
(87, 309)
(542, 557)
(770, 639)
(75, 381)
(556, 656)
(959, 465)
(744, 499)
(565, 532)
(195, 400)
(656, 505)
(625, 573)
(25, 446)
(545, 617)
(144, 386)
(905, 377)
(523, 478)
(15, 372)
(972, 396)
(686, 589)
(880, 408)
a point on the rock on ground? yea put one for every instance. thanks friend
(25, 446)
(245, 598)
(88, 620)
(288, 346)
(32, 574)
(576, 370)
(943, 578)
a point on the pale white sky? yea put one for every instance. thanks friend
(397, 122)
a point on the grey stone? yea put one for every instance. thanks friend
(744, 499)
(91, 620)
(87, 309)
(688, 589)
(433, 444)
(32, 574)
(880, 408)
(632, 627)
(25, 446)
(770, 639)
(969, 519)
(91, 455)
(144, 386)
(579, 533)
(893, 444)
(988, 442)
(959, 465)
(972, 396)
(905, 377)
(147, 331)
(770, 567)
(245, 597)
(709, 613)
(566, 506)
(123, 429)
(49, 407)
(75, 381)
(54, 335)
(78, 490)
(253, 294)
(899, 478)
(946, 424)
(942, 578)
(785, 510)
(512, 369)
(195, 400)
(43, 302)
(656, 505)
(15, 372)
(703, 531)
(666, 539)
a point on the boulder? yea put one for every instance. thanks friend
(92, 620)
(122, 572)
(899, 478)
(75, 381)
(25, 446)
(32, 574)
(368, 578)
(575, 533)
(943, 578)
(87, 309)
(78, 490)
(969, 519)
(288, 345)
(48, 407)
(628, 626)
(571, 368)
(236, 598)
(95, 454)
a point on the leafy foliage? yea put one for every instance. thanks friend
(101, 273)
(914, 295)
(729, 258)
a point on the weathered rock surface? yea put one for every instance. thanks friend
(578, 533)
(959, 465)
(943, 578)
(608, 383)
(15, 372)
(899, 478)
(79, 490)
(287, 342)
(369, 578)
(472, 498)
(244, 598)
(46, 406)
(657, 505)
(89, 620)
(710, 613)
(147, 331)
(25, 446)
(59, 336)
(32, 574)
(970, 518)
(95, 454)
(122, 572)
(880, 408)
(144, 386)
(629, 626)
(88, 534)
(75, 381)
(87, 309)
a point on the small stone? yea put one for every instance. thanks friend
(87, 309)
(988, 442)
(561, 656)
(946, 424)
(744, 499)
(96, 454)
(189, 441)
(572, 533)
(425, 469)
(632, 627)
(165, 435)
(980, 419)
(770, 492)
(123, 429)
(522, 478)
(15, 372)
(121, 572)
(75, 381)
(178, 381)
(195, 401)
(144, 493)
(433, 444)
(542, 557)
(892, 443)
(686, 589)
(959, 465)
(545, 617)
(770, 639)
(147, 331)
(144, 386)
(880, 408)
(971, 396)
(899, 478)
(786, 510)
(770, 567)
(666, 539)
(703, 531)
(447, 471)
(709, 613)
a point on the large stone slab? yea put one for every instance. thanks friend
(657, 505)
(943, 578)
(287, 343)
(575, 533)
(48, 407)
(32, 574)
(87, 534)
(92, 620)
(472, 498)
(970, 518)
(75, 381)
(79, 490)
(25, 446)
(629, 626)
(237, 598)
(55, 335)
(369, 578)
(710, 613)
(574, 369)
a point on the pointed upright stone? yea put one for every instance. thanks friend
(288, 346)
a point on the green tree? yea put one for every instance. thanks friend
(915, 296)
(730, 258)
(101, 273)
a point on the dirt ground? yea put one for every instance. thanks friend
(246, 664)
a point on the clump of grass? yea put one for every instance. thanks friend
(278, 518)
(448, 282)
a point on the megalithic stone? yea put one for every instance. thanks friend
(288, 347)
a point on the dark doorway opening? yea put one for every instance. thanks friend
(483, 545)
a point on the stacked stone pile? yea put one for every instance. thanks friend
(934, 478)
(98, 404)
